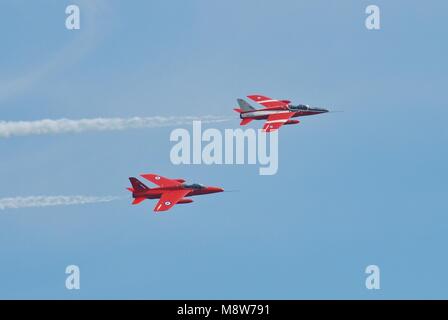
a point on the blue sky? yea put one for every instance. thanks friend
(366, 186)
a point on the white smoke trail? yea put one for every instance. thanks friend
(47, 126)
(48, 201)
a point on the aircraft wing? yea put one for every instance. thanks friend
(169, 199)
(276, 120)
(268, 102)
(161, 181)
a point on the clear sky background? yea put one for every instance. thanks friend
(366, 186)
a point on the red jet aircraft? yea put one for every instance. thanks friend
(277, 112)
(169, 191)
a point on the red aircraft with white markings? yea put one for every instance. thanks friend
(277, 112)
(169, 191)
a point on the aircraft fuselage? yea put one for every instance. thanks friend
(156, 193)
(261, 114)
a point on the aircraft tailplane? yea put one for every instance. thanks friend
(138, 200)
(245, 121)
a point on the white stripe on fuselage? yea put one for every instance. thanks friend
(273, 121)
(261, 113)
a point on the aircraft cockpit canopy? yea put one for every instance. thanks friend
(299, 107)
(194, 186)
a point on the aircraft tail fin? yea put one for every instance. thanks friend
(137, 185)
(244, 105)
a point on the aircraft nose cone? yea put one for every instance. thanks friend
(216, 189)
(319, 110)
